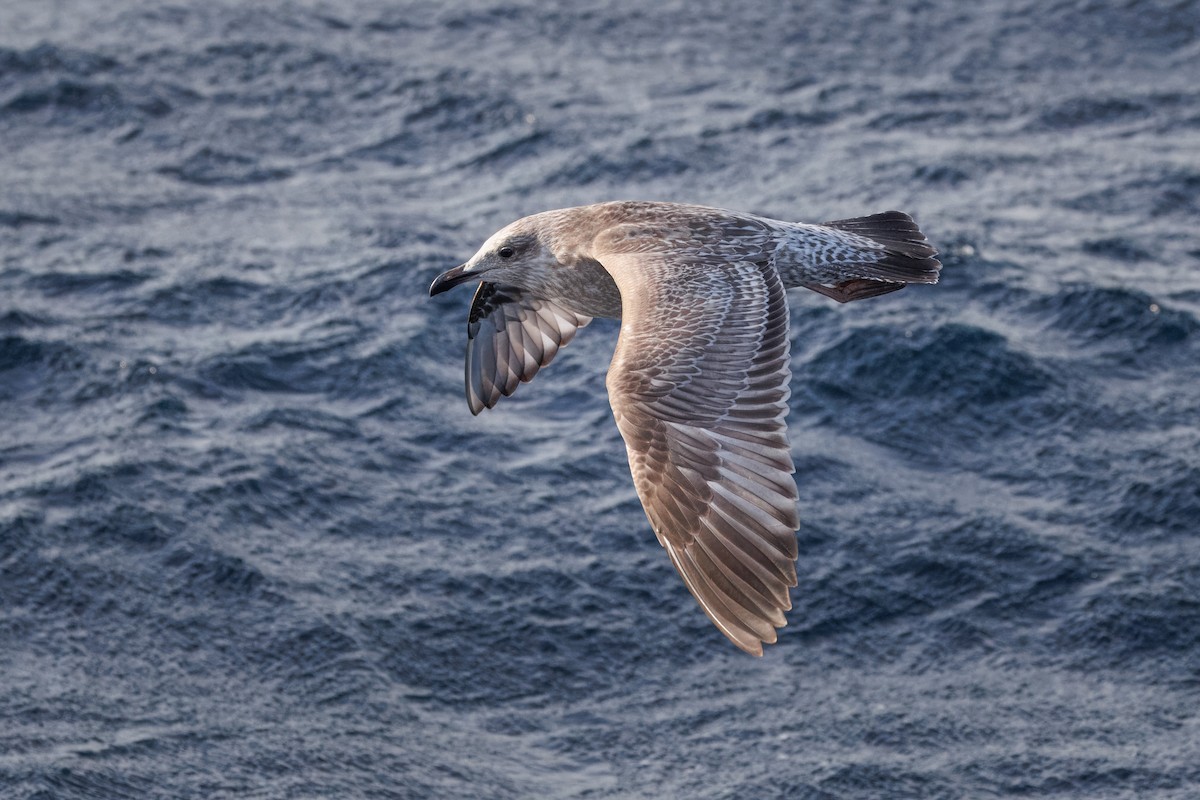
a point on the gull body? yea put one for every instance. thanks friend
(699, 380)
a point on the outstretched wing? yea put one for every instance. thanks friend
(511, 334)
(699, 389)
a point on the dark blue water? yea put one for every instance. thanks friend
(253, 545)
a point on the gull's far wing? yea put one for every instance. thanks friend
(511, 334)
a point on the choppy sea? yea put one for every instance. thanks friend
(253, 544)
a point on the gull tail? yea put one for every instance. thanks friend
(882, 253)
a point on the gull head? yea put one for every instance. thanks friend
(521, 254)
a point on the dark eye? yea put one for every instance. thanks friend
(505, 252)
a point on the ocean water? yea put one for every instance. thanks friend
(253, 544)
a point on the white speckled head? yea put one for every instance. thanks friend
(515, 255)
(545, 254)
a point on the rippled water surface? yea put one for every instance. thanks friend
(252, 543)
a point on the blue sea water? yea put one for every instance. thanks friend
(253, 544)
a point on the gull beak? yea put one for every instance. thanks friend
(449, 279)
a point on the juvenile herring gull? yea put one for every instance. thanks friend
(699, 380)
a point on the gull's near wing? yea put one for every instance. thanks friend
(699, 389)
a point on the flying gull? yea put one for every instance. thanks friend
(699, 380)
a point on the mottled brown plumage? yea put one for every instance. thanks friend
(699, 380)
